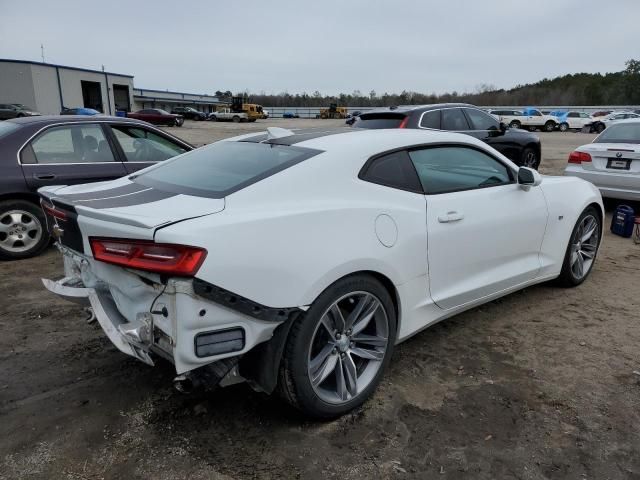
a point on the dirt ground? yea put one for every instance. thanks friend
(537, 385)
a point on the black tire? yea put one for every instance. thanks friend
(213, 118)
(567, 276)
(600, 127)
(36, 213)
(294, 384)
(236, 119)
(549, 126)
(515, 124)
(564, 126)
(530, 158)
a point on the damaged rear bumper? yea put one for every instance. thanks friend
(144, 317)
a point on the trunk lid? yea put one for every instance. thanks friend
(119, 208)
(623, 158)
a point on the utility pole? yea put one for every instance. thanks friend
(42, 52)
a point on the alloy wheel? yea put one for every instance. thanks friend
(20, 231)
(583, 246)
(530, 159)
(348, 347)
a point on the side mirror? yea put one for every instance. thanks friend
(528, 177)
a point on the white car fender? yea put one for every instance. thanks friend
(565, 206)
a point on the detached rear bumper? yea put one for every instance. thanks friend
(132, 338)
(189, 327)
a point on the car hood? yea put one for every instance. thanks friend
(522, 135)
(126, 202)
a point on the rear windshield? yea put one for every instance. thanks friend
(379, 120)
(621, 133)
(7, 127)
(222, 168)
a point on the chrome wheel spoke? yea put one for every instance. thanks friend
(324, 369)
(586, 254)
(341, 385)
(372, 340)
(4, 228)
(588, 230)
(350, 375)
(338, 319)
(329, 326)
(367, 354)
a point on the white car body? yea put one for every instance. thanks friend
(612, 166)
(533, 119)
(279, 243)
(577, 120)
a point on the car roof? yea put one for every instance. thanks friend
(369, 141)
(47, 119)
(411, 108)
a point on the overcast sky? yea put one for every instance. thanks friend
(327, 45)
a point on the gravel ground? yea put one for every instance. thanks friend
(539, 384)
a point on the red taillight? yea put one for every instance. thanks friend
(51, 210)
(579, 157)
(163, 258)
(404, 122)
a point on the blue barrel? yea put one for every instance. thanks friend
(623, 220)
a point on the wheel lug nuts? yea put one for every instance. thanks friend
(334, 351)
(338, 335)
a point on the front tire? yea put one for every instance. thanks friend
(236, 119)
(563, 127)
(23, 231)
(514, 124)
(530, 158)
(600, 127)
(549, 127)
(336, 353)
(582, 249)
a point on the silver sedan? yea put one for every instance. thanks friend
(611, 162)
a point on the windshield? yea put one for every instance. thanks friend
(7, 127)
(222, 168)
(620, 133)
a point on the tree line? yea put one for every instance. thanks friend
(617, 88)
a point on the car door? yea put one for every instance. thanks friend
(484, 231)
(5, 112)
(69, 154)
(141, 147)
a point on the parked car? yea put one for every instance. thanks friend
(227, 115)
(351, 117)
(601, 113)
(54, 150)
(577, 120)
(80, 111)
(157, 116)
(611, 162)
(290, 115)
(189, 113)
(365, 238)
(15, 110)
(529, 118)
(521, 147)
(600, 123)
(265, 114)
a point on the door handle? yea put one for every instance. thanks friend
(44, 176)
(450, 217)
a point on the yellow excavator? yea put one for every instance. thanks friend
(334, 111)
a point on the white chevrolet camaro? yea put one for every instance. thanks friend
(296, 261)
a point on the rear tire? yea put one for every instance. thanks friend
(549, 126)
(23, 230)
(582, 249)
(236, 119)
(322, 353)
(600, 127)
(563, 127)
(514, 124)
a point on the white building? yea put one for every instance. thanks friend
(47, 88)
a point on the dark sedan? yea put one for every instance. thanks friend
(521, 147)
(157, 116)
(53, 150)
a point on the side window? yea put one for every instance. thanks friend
(536, 113)
(392, 170)
(453, 119)
(573, 115)
(450, 169)
(480, 120)
(72, 144)
(140, 145)
(431, 119)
